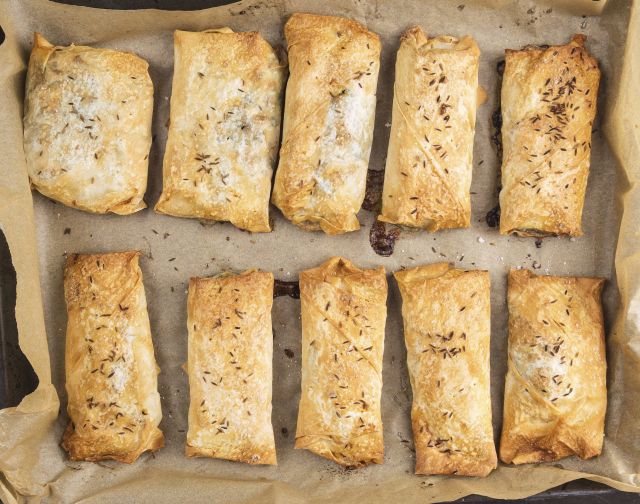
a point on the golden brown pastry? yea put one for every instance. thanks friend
(447, 329)
(343, 318)
(429, 163)
(87, 126)
(328, 122)
(548, 106)
(230, 367)
(224, 128)
(111, 372)
(555, 394)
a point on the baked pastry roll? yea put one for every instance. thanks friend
(328, 122)
(230, 367)
(343, 317)
(447, 330)
(548, 106)
(224, 128)
(87, 126)
(555, 394)
(111, 372)
(430, 158)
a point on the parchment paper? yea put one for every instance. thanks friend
(41, 232)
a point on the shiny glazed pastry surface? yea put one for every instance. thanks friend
(343, 320)
(87, 126)
(230, 367)
(328, 122)
(555, 395)
(548, 107)
(110, 369)
(447, 329)
(224, 128)
(430, 156)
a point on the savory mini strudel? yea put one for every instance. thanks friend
(343, 319)
(224, 128)
(111, 372)
(87, 126)
(548, 107)
(328, 122)
(429, 162)
(447, 330)
(555, 394)
(230, 367)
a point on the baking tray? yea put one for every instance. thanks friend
(18, 379)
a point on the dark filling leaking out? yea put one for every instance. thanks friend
(493, 217)
(282, 288)
(496, 117)
(373, 193)
(382, 241)
(496, 137)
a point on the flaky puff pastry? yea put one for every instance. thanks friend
(343, 318)
(548, 107)
(430, 158)
(87, 126)
(328, 122)
(555, 391)
(111, 372)
(230, 367)
(224, 128)
(447, 330)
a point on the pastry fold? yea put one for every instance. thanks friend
(447, 329)
(548, 107)
(224, 128)
(230, 367)
(555, 395)
(430, 158)
(87, 126)
(111, 373)
(343, 318)
(328, 122)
